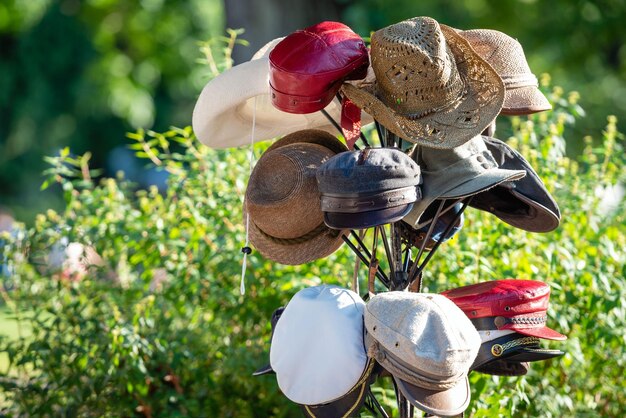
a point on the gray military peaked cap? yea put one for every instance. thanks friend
(366, 188)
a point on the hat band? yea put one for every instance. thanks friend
(501, 348)
(320, 229)
(402, 370)
(514, 81)
(357, 204)
(497, 322)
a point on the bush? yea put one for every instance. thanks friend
(157, 326)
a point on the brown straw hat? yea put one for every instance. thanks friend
(506, 56)
(431, 87)
(286, 222)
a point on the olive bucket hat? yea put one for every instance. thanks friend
(457, 173)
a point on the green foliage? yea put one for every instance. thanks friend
(157, 327)
(81, 73)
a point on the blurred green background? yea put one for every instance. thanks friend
(82, 73)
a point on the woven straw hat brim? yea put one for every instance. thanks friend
(224, 112)
(472, 186)
(482, 101)
(524, 101)
(294, 252)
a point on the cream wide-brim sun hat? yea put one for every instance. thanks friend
(229, 104)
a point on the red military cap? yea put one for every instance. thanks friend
(308, 67)
(518, 305)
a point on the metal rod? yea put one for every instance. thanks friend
(407, 258)
(414, 267)
(380, 274)
(381, 136)
(383, 234)
(445, 233)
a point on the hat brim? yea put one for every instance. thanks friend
(483, 98)
(525, 204)
(267, 369)
(542, 332)
(530, 354)
(524, 101)
(449, 402)
(504, 367)
(346, 406)
(295, 252)
(363, 220)
(229, 104)
(484, 181)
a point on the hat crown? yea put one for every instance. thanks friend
(431, 159)
(368, 171)
(507, 297)
(283, 190)
(504, 53)
(415, 70)
(317, 350)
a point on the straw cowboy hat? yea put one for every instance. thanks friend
(286, 222)
(431, 87)
(506, 56)
(224, 113)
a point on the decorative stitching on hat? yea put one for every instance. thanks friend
(358, 204)
(519, 80)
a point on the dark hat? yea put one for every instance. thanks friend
(504, 367)
(374, 186)
(525, 203)
(517, 305)
(308, 67)
(513, 347)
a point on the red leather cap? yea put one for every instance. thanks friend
(308, 67)
(519, 305)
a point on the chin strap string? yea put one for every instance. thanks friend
(246, 249)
